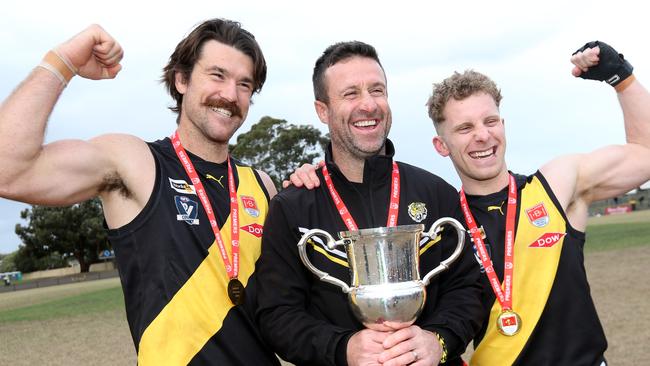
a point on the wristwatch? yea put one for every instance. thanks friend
(443, 347)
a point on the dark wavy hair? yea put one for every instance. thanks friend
(188, 51)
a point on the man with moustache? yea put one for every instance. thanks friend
(308, 321)
(177, 209)
(536, 292)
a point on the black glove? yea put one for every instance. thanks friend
(612, 67)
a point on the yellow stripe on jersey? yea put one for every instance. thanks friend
(322, 251)
(432, 242)
(197, 310)
(533, 277)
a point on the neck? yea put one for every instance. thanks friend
(487, 186)
(351, 165)
(352, 169)
(196, 143)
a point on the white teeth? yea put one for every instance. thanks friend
(482, 154)
(223, 111)
(367, 123)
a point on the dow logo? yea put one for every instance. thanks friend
(547, 240)
(255, 229)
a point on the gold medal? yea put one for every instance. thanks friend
(236, 291)
(508, 323)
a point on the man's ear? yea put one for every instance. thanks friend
(180, 82)
(440, 146)
(322, 111)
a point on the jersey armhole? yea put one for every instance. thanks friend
(261, 184)
(149, 207)
(570, 229)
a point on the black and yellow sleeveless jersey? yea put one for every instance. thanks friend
(560, 325)
(173, 277)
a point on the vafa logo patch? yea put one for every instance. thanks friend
(188, 210)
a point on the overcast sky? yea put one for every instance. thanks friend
(524, 47)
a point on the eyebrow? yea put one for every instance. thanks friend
(214, 68)
(225, 72)
(464, 124)
(356, 87)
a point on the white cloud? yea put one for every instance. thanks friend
(523, 46)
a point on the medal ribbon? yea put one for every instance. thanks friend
(393, 206)
(504, 296)
(232, 270)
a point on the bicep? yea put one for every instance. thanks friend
(67, 172)
(601, 174)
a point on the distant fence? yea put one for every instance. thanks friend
(60, 272)
(639, 200)
(53, 281)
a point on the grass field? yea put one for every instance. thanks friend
(618, 231)
(76, 324)
(85, 324)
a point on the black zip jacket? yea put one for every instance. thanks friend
(308, 321)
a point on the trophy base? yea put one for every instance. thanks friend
(388, 306)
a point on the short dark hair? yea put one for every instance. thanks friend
(188, 51)
(334, 54)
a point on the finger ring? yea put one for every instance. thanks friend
(415, 356)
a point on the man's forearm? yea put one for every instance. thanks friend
(23, 119)
(635, 104)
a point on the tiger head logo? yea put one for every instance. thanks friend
(417, 211)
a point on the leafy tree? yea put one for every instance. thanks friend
(26, 262)
(54, 234)
(7, 262)
(278, 148)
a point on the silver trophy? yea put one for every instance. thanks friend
(386, 291)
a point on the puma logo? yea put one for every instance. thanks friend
(500, 208)
(209, 176)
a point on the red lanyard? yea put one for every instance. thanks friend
(232, 270)
(393, 207)
(505, 299)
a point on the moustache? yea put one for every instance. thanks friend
(232, 107)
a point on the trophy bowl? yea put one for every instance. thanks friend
(386, 290)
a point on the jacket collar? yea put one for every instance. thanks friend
(376, 168)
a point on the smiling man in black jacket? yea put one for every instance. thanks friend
(308, 321)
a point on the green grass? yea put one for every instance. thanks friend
(617, 236)
(612, 232)
(87, 303)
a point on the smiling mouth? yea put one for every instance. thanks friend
(222, 111)
(365, 123)
(483, 154)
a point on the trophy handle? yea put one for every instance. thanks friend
(432, 233)
(331, 243)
